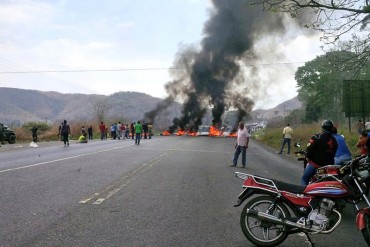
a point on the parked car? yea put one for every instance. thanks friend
(8, 134)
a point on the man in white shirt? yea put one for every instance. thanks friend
(241, 145)
(287, 137)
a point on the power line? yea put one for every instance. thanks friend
(126, 69)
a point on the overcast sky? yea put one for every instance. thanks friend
(119, 45)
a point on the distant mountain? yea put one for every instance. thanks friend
(280, 110)
(18, 106)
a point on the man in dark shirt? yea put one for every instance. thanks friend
(320, 151)
(34, 130)
(145, 130)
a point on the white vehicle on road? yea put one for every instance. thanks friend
(203, 130)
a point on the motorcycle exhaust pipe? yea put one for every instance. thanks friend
(273, 219)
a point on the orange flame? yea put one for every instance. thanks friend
(213, 131)
(166, 133)
(181, 132)
(234, 134)
(192, 133)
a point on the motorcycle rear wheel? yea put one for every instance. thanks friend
(259, 232)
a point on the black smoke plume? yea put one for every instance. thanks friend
(214, 76)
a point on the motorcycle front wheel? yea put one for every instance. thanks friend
(262, 233)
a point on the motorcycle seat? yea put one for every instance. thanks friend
(293, 188)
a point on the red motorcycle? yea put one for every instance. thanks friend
(266, 219)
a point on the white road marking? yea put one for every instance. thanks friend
(89, 198)
(67, 158)
(192, 150)
(112, 189)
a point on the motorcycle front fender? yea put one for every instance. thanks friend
(360, 218)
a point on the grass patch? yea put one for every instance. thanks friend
(273, 137)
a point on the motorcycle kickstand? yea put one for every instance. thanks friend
(312, 244)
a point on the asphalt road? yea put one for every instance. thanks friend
(169, 191)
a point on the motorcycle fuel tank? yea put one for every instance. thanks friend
(327, 189)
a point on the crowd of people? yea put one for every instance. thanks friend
(324, 148)
(123, 131)
(116, 131)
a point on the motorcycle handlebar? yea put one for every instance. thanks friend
(352, 164)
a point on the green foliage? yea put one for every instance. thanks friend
(40, 125)
(273, 137)
(320, 84)
(366, 9)
(313, 110)
(296, 117)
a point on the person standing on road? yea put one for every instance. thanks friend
(145, 130)
(123, 131)
(132, 128)
(321, 151)
(119, 131)
(241, 145)
(287, 137)
(90, 132)
(102, 130)
(138, 131)
(150, 130)
(112, 131)
(34, 130)
(106, 131)
(127, 132)
(65, 133)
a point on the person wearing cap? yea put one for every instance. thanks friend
(321, 151)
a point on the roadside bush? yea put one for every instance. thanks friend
(40, 125)
(273, 137)
(45, 132)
